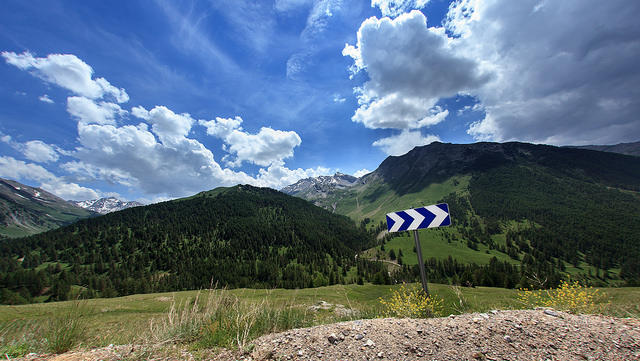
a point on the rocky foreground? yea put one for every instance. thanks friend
(497, 335)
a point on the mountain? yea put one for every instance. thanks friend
(622, 148)
(26, 210)
(550, 210)
(316, 188)
(241, 236)
(105, 205)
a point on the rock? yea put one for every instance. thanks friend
(551, 313)
(359, 337)
(369, 343)
(333, 339)
(380, 355)
(508, 338)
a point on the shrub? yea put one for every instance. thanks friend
(569, 296)
(412, 302)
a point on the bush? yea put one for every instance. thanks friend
(413, 303)
(569, 296)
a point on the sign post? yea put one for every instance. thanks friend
(436, 215)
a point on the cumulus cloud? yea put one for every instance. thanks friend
(157, 156)
(35, 150)
(40, 152)
(162, 160)
(221, 127)
(45, 98)
(19, 170)
(404, 142)
(278, 176)
(394, 8)
(410, 67)
(171, 128)
(66, 71)
(566, 73)
(267, 147)
(88, 111)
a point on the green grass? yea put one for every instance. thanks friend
(434, 244)
(375, 200)
(126, 320)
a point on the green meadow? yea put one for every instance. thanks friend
(208, 319)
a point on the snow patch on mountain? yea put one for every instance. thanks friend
(106, 205)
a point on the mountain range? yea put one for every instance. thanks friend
(523, 215)
(106, 205)
(318, 188)
(27, 210)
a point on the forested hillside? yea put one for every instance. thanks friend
(237, 237)
(550, 211)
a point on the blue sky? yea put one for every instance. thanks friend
(151, 100)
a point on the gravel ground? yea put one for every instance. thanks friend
(497, 335)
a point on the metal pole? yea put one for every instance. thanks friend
(423, 275)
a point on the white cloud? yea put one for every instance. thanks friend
(34, 150)
(171, 128)
(19, 170)
(45, 98)
(404, 142)
(39, 151)
(278, 176)
(67, 71)
(222, 127)
(394, 8)
(265, 148)
(410, 67)
(565, 73)
(361, 172)
(88, 111)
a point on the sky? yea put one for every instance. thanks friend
(153, 100)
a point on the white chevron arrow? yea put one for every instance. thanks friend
(440, 216)
(417, 219)
(398, 222)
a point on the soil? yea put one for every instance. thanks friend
(540, 334)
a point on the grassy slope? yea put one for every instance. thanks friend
(376, 199)
(48, 217)
(127, 319)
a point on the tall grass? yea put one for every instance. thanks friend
(65, 330)
(220, 319)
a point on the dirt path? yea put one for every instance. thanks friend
(497, 335)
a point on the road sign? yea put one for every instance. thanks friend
(436, 215)
(433, 216)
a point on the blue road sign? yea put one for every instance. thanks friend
(436, 215)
